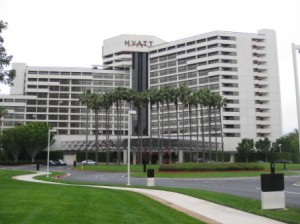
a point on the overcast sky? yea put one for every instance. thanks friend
(71, 32)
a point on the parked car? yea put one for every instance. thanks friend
(60, 162)
(283, 161)
(88, 162)
(51, 163)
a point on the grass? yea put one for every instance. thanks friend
(23, 202)
(290, 215)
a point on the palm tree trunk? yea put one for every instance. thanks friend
(162, 129)
(150, 131)
(209, 130)
(170, 153)
(190, 121)
(202, 132)
(216, 137)
(96, 136)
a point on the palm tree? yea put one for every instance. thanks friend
(96, 104)
(85, 98)
(106, 103)
(119, 94)
(184, 94)
(140, 102)
(175, 100)
(208, 102)
(221, 103)
(201, 95)
(152, 98)
(158, 101)
(193, 101)
(167, 93)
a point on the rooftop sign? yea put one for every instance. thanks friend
(138, 43)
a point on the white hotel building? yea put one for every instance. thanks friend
(241, 67)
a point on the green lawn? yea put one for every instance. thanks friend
(23, 202)
(290, 215)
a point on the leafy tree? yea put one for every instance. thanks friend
(245, 148)
(10, 142)
(30, 138)
(264, 147)
(6, 76)
(3, 111)
(34, 137)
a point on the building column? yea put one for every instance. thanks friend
(232, 160)
(125, 160)
(180, 156)
(134, 158)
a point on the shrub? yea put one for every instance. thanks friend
(211, 167)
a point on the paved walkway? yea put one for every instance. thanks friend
(206, 211)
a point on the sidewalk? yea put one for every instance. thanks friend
(203, 210)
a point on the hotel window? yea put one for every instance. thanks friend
(153, 81)
(182, 69)
(32, 86)
(43, 72)
(171, 48)
(182, 76)
(172, 63)
(163, 58)
(181, 52)
(54, 73)
(180, 45)
(153, 67)
(153, 60)
(32, 72)
(163, 65)
(171, 56)
(201, 41)
(32, 79)
(191, 43)
(191, 50)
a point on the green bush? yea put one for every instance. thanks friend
(211, 167)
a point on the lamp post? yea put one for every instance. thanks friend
(130, 113)
(294, 49)
(48, 152)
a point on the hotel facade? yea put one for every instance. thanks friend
(241, 67)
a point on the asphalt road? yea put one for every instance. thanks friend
(246, 187)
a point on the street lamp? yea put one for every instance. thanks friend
(294, 49)
(48, 152)
(130, 113)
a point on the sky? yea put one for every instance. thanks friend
(71, 32)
